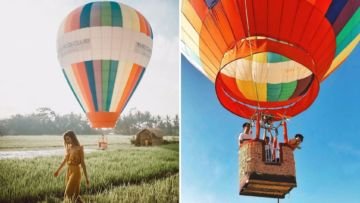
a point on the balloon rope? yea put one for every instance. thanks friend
(251, 53)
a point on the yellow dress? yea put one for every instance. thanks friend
(73, 175)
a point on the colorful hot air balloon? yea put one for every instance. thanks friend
(104, 48)
(264, 56)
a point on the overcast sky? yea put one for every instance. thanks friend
(31, 77)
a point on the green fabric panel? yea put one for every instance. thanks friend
(275, 58)
(112, 76)
(287, 90)
(117, 20)
(105, 69)
(105, 14)
(273, 92)
(349, 32)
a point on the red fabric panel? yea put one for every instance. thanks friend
(231, 86)
(247, 16)
(321, 5)
(246, 111)
(274, 17)
(260, 15)
(301, 19)
(200, 7)
(231, 10)
(311, 28)
(288, 18)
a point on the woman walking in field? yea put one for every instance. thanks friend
(74, 157)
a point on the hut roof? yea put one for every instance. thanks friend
(155, 131)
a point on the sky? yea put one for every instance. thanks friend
(30, 74)
(327, 166)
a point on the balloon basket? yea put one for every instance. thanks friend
(261, 178)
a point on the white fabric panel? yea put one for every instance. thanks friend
(76, 46)
(71, 76)
(106, 41)
(122, 75)
(281, 72)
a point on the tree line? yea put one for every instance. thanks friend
(45, 121)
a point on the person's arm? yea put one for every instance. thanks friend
(82, 159)
(61, 166)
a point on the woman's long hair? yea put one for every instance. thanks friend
(71, 134)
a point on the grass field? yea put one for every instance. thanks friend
(121, 174)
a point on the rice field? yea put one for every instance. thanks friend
(122, 173)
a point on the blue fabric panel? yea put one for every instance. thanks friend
(334, 9)
(85, 16)
(211, 3)
(91, 78)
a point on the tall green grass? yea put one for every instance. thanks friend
(162, 190)
(31, 180)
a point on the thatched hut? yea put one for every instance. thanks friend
(148, 137)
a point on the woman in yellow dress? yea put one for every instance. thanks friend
(74, 157)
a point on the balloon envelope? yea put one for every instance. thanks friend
(104, 48)
(263, 56)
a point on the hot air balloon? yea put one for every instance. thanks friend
(103, 49)
(268, 58)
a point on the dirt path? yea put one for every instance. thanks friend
(26, 154)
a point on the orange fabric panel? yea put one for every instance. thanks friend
(232, 12)
(214, 54)
(69, 22)
(261, 17)
(207, 54)
(222, 22)
(200, 8)
(82, 80)
(134, 74)
(301, 19)
(274, 17)
(206, 38)
(103, 119)
(143, 27)
(75, 19)
(289, 14)
(215, 33)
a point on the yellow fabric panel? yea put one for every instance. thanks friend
(188, 11)
(259, 57)
(130, 18)
(342, 56)
(189, 36)
(122, 75)
(252, 91)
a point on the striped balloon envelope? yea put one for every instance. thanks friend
(104, 48)
(268, 56)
